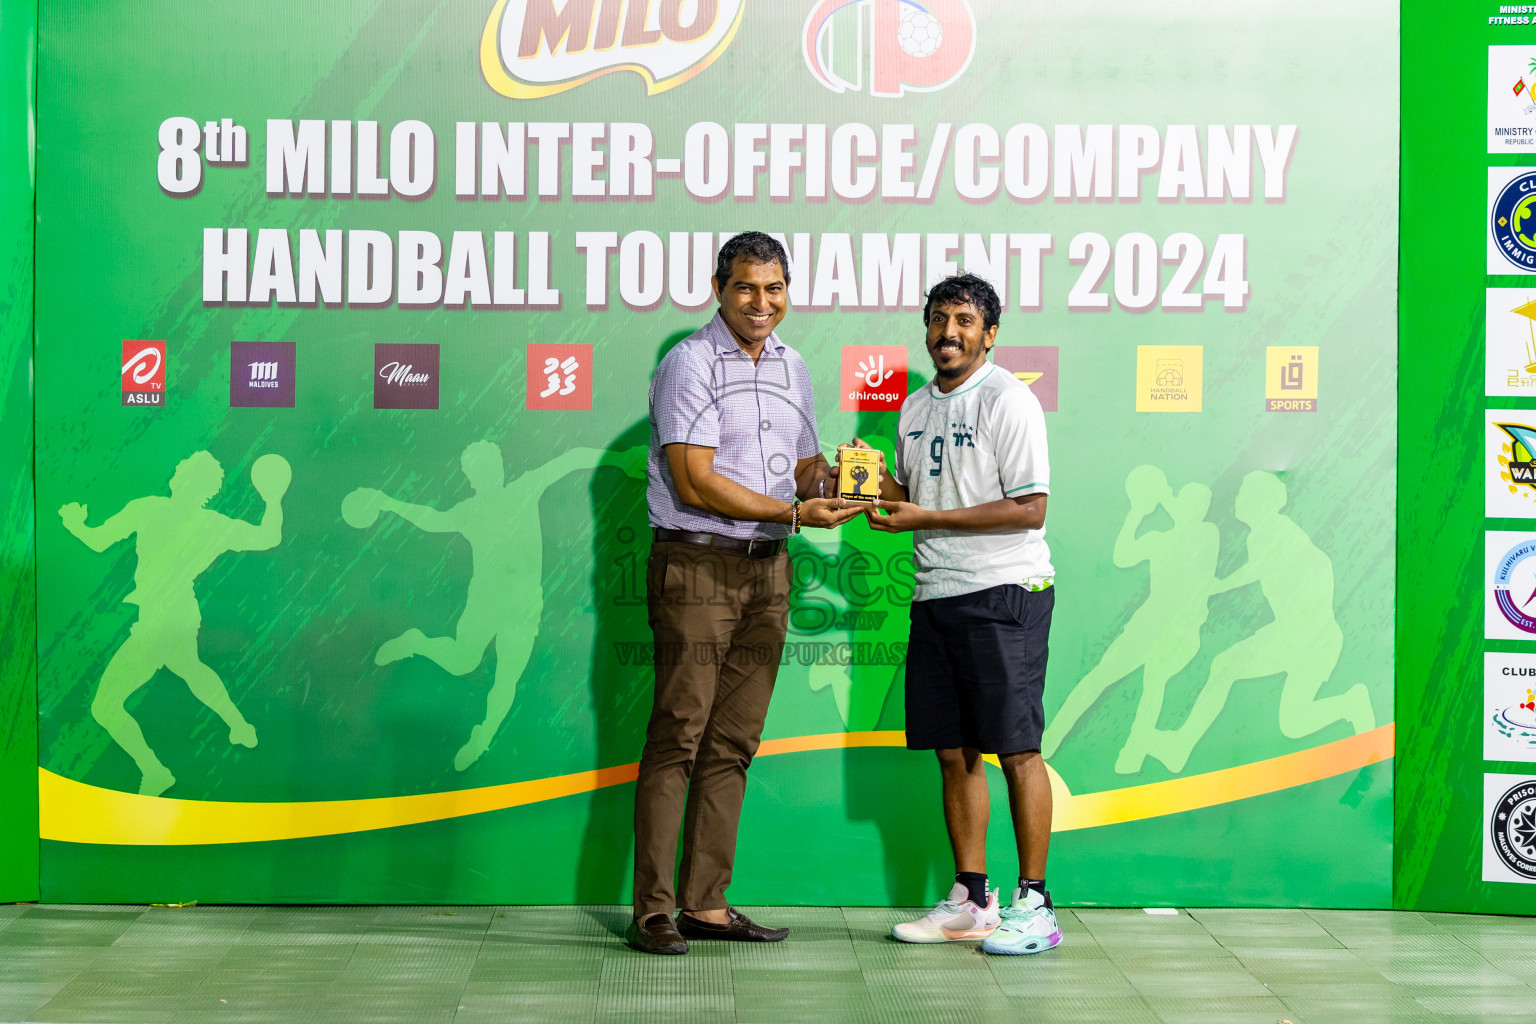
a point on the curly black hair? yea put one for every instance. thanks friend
(754, 247)
(966, 288)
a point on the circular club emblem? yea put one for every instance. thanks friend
(1512, 827)
(1514, 585)
(1514, 221)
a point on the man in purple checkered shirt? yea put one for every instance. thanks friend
(734, 453)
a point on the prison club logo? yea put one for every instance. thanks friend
(1512, 829)
(143, 373)
(261, 374)
(899, 46)
(536, 48)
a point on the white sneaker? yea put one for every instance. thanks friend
(1028, 926)
(954, 920)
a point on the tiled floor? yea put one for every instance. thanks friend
(423, 965)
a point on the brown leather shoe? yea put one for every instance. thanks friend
(741, 928)
(656, 934)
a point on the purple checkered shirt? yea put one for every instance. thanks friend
(760, 419)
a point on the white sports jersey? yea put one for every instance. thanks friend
(982, 442)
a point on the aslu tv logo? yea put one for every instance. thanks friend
(902, 45)
(143, 373)
(535, 48)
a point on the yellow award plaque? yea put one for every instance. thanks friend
(858, 474)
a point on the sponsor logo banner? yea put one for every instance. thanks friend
(1036, 365)
(1509, 463)
(1290, 378)
(143, 372)
(1509, 608)
(874, 377)
(405, 376)
(1168, 378)
(1509, 828)
(262, 374)
(535, 48)
(1512, 220)
(1511, 108)
(559, 377)
(888, 47)
(1509, 319)
(1509, 707)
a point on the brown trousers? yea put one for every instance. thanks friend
(718, 620)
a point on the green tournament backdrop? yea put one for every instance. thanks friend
(18, 657)
(303, 271)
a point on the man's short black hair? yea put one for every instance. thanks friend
(754, 247)
(963, 288)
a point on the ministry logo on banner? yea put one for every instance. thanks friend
(1511, 107)
(1509, 828)
(405, 376)
(143, 373)
(1509, 606)
(262, 374)
(530, 49)
(1509, 707)
(1512, 220)
(1509, 321)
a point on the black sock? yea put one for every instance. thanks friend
(1038, 885)
(975, 885)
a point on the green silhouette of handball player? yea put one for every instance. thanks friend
(506, 594)
(178, 538)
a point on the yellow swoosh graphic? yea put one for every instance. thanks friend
(73, 812)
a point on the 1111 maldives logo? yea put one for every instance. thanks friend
(900, 45)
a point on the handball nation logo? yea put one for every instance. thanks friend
(1514, 221)
(902, 45)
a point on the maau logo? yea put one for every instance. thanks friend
(536, 48)
(874, 377)
(910, 45)
(405, 376)
(143, 373)
(261, 374)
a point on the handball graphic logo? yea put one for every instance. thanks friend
(1514, 221)
(1512, 828)
(900, 46)
(1170, 373)
(1514, 589)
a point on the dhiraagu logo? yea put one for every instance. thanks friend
(1514, 221)
(535, 48)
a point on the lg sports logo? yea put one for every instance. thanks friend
(909, 45)
(535, 48)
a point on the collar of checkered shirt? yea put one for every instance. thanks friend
(725, 342)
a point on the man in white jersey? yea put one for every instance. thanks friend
(971, 479)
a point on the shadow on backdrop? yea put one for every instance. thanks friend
(622, 674)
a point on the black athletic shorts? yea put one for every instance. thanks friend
(976, 670)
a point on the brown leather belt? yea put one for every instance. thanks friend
(757, 547)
